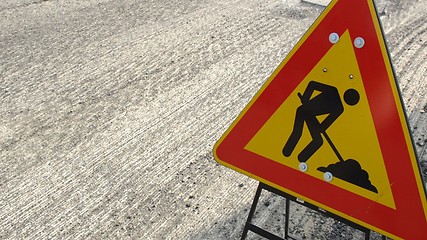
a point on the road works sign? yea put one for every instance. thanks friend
(329, 127)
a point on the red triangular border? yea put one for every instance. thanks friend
(408, 221)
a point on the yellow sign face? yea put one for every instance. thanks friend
(354, 125)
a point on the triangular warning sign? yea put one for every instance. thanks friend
(329, 127)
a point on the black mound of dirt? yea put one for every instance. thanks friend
(350, 171)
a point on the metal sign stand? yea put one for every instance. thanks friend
(268, 235)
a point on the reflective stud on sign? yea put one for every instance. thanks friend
(359, 42)
(328, 176)
(303, 167)
(334, 37)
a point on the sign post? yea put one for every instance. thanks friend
(329, 127)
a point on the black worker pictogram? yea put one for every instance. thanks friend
(323, 99)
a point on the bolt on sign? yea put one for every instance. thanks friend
(329, 127)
